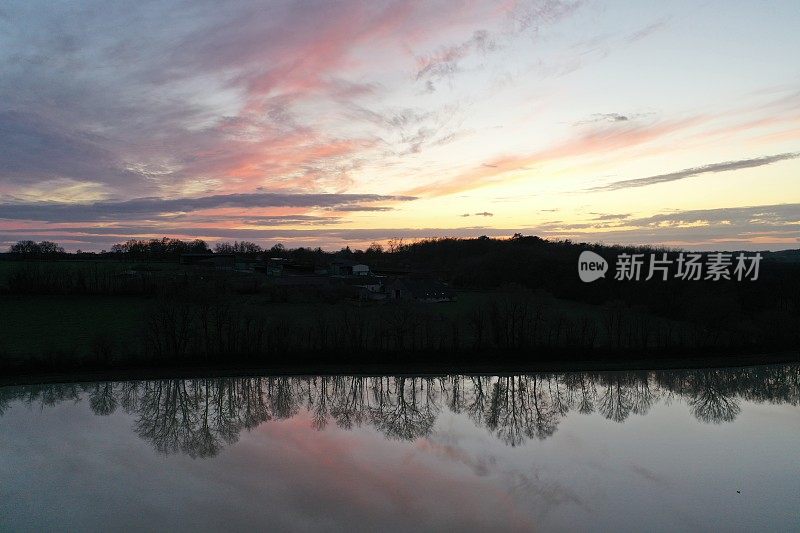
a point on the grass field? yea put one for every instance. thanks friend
(7, 268)
(39, 325)
(74, 325)
(36, 325)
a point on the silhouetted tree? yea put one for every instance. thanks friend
(238, 247)
(34, 249)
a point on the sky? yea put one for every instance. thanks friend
(337, 123)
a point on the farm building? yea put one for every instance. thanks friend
(360, 270)
(419, 289)
(369, 287)
(273, 266)
(345, 267)
(217, 261)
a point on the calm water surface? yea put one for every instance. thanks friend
(711, 449)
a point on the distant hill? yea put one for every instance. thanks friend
(789, 256)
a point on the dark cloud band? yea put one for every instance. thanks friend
(149, 207)
(776, 226)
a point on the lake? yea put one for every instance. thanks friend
(703, 449)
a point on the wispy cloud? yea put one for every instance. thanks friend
(445, 62)
(222, 96)
(646, 31)
(749, 226)
(621, 135)
(761, 215)
(604, 117)
(712, 168)
(611, 216)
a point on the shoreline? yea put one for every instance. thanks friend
(502, 367)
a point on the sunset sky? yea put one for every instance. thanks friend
(338, 123)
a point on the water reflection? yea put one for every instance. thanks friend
(199, 417)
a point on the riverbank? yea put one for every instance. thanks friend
(417, 368)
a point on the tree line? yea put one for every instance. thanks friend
(36, 249)
(164, 248)
(671, 315)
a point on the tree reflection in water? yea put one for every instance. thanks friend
(199, 417)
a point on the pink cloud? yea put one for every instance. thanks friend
(597, 141)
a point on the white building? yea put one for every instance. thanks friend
(360, 270)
